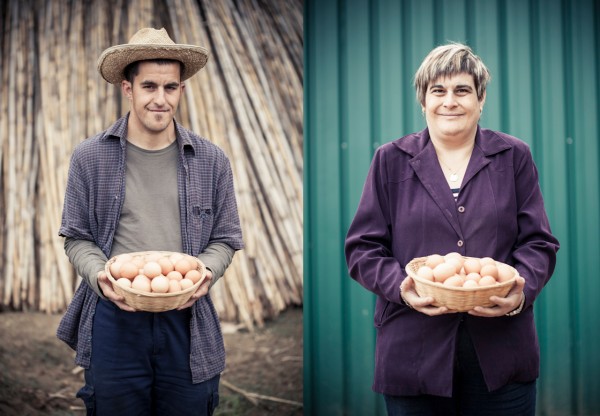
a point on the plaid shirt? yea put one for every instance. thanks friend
(93, 202)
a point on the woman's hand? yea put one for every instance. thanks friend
(107, 290)
(414, 301)
(201, 291)
(503, 305)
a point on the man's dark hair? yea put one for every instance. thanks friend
(131, 70)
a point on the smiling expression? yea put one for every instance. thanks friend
(452, 109)
(154, 97)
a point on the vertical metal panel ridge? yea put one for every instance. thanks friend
(438, 22)
(388, 79)
(343, 129)
(345, 53)
(518, 71)
(584, 136)
(555, 329)
(487, 44)
(324, 298)
(310, 343)
(571, 197)
(534, 45)
(359, 88)
(408, 100)
(505, 87)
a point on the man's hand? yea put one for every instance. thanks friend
(201, 291)
(107, 290)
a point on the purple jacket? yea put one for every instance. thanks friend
(407, 210)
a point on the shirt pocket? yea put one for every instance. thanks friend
(202, 224)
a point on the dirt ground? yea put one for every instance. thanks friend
(38, 377)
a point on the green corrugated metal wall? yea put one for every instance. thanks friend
(360, 57)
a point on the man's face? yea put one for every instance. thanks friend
(154, 97)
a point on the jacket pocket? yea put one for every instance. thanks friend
(382, 309)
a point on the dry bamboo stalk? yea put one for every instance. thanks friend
(9, 162)
(255, 397)
(31, 162)
(265, 117)
(53, 191)
(245, 268)
(271, 168)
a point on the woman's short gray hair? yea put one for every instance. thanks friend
(447, 60)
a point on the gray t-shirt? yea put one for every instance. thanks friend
(149, 218)
(150, 215)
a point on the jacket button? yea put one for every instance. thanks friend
(461, 209)
(460, 243)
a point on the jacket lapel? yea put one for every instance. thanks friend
(427, 168)
(487, 144)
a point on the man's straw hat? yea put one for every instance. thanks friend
(149, 43)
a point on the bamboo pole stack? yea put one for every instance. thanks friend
(247, 100)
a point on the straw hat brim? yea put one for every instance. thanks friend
(113, 60)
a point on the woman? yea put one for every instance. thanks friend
(453, 187)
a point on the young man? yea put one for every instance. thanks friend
(147, 183)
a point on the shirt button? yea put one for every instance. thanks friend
(461, 209)
(460, 243)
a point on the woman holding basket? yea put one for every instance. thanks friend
(453, 187)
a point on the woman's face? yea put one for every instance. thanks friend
(452, 109)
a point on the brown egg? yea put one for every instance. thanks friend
(174, 286)
(174, 275)
(469, 284)
(505, 272)
(123, 282)
(153, 256)
(486, 260)
(425, 272)
(124, 257)
(139, 261)
(443, 271)
(454, 255)
(456, 263)
(193, 260)
(175, 257)
(454, 281)
(166, 265)
(129, 270)
(186, 284)
(489, 270)
(472, 265)
(115, 269)
(194, 275)
(487, 281)
(433, 260)
(183, 266)
(473, 276)
(160, 284)
(152, 269)
(141, 283)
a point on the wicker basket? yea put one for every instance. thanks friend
(155, 302)
(458, 299)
